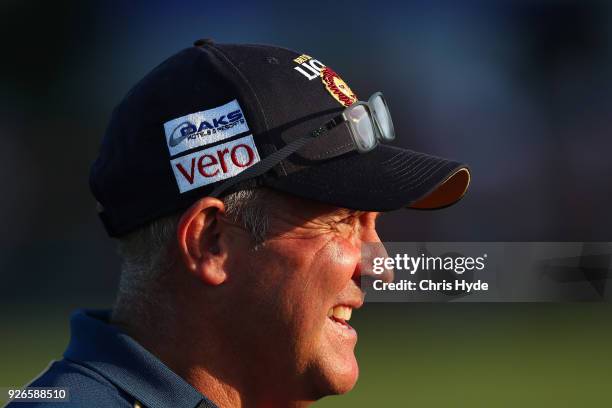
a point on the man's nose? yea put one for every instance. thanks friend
(373, 266)
(373, 253)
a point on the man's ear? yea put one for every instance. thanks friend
(198, 241)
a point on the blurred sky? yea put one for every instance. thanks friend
(519, 90)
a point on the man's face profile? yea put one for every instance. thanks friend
(285, 301)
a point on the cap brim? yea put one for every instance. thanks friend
(385, 179)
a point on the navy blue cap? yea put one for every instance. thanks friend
(213, 110)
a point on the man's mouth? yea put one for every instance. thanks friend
(341, 314)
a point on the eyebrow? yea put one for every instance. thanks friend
(346, 212)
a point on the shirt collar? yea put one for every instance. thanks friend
(106, 349)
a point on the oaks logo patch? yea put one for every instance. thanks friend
(205, 127)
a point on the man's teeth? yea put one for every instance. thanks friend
(340, 312)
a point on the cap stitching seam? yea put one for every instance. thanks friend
(409, 165)
(320, 155)
(392, 159)
(419, 173)
(396, 161)
(422, 179)
(227, 59)
(427, 175)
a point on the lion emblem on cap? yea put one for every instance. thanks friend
(337, 87)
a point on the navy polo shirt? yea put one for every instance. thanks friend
(104, 367)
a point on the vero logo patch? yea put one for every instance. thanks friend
(215, 163)
(205, 127)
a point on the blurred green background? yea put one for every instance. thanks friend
(418, 355)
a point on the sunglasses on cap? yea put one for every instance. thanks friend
(369, 124)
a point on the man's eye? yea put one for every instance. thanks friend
(347, 224)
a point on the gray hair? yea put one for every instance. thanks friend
(150, 253)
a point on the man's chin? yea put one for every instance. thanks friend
(336, 369)
(338, 378)
(346, 381)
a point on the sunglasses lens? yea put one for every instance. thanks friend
(362, 126)
(383, 117)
